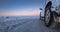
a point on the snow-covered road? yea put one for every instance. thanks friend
(27, 25)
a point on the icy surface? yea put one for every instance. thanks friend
(23, 24)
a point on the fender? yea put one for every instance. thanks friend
(55, 5)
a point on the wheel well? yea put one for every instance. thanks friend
(49, 4)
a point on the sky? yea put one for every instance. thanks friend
(20, 7)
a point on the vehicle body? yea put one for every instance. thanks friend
(51, 12)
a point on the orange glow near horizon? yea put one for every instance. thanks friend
(27, 12)
(19, 14)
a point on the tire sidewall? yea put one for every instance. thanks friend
(51, 17)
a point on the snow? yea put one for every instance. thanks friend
(8, 23)
(23, 24)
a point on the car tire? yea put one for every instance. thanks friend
(48, 16)
(52, 20)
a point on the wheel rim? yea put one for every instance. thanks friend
(47, 16)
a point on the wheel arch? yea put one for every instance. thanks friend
(48, 4)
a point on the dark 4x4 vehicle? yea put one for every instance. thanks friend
(51, 12)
